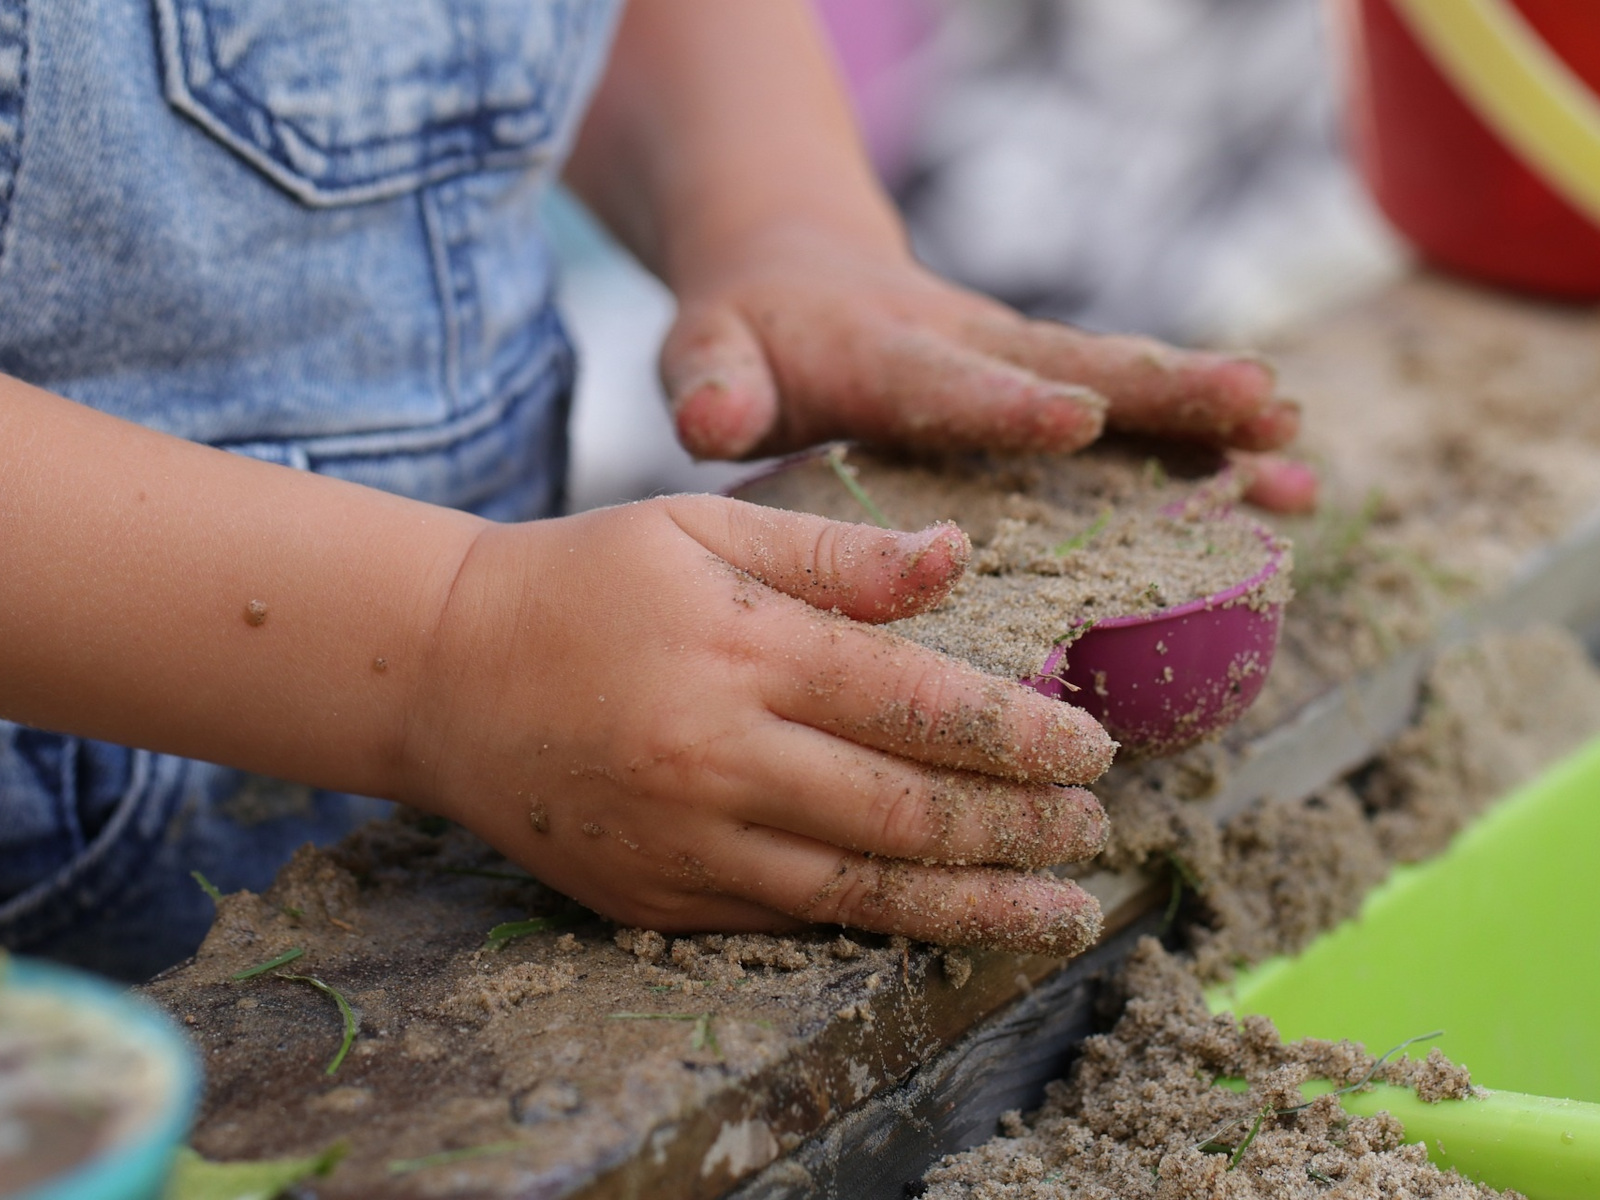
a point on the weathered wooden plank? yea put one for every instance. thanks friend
(874, 1151)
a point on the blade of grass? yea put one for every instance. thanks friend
(1079, 540)
(1255, 1128)
(207, 887)
(502, 935)
(196, 1178)
(1174, 900)
(1210, 1145)
(705, 1037)
(847, 476)
(1371, 1071)
(404, 1166)
(272, 964)
(351, 1025)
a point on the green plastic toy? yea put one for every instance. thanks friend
(1496, 942)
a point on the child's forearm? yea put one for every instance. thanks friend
(613, 700)
(163, 594)
(717, 122)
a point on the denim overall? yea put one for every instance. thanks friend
(301, 230)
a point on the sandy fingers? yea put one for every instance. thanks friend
(958, 906)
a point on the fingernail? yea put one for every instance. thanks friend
(1050, 917)
(1070, 934)
(1260, 361)
(686, 390)
(1093, 827)
(1070, 418)
(1080, 830)
(711, 424)
(1274, 426)
(1085, 398)
(915, 545)
(1075, 748)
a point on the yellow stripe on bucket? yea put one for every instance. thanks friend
(1518, 85)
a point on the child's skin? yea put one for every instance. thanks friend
(650, 707)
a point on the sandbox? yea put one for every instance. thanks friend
(1461, 449)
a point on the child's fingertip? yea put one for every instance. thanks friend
(1047, 916)
(1284, 486)
(1074, 748)
(1275, 426)
(943, 536)
(714, 420)
(933, 559)
(1074, 418)
(1247, 373)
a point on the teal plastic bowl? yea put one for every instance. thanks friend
(135, 1165)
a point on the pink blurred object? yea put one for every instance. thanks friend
(1163, 681)
(876, 42)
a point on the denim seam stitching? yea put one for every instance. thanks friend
(67, 794)
(548, 362)
(430, 165)
(51, 904)
(433, 234)
(13, 167)
(248, 99)
(451, 207)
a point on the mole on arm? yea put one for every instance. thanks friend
(255, 613)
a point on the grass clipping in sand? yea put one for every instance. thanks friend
(1059, 542)
(1141, 1116)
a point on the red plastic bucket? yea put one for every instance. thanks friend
(1453, 172)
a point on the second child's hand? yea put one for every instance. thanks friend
(721, 149)
(810, 336)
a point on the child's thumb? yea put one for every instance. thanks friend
(724, 402)
(865, 573)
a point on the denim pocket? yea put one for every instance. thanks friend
(363, 99)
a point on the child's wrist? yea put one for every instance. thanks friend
(453, 648)
(697, 259)
(424, 567)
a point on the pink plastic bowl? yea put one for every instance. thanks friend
(1166, 680)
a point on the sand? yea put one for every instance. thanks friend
(1496, 710)
(530, 1049)
(1059, 542)
(1457, 433)
(1140, 1116)
(555, 1052)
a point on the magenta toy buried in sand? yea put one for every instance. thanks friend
(1095, 578)
(1162, 681)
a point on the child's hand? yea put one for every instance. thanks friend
(661, 710)
(804, 337)
(722, 151)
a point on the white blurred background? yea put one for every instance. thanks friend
(1171, 167)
